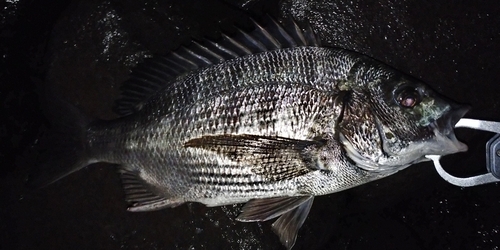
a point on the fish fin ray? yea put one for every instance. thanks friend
(275, 158)
(266, 37)
(159, 72)
(298, 34)
(213, 55)
(269, 208)
(288, 224)
(141, 195)
(253, 42)
(237, 46)
(282, 35)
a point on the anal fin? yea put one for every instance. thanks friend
(141, 195)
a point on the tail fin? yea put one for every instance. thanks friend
(63, 150)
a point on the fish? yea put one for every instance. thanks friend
(268, 117)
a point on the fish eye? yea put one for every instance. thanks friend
(407, 97)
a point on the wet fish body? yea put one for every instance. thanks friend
(277, 109)
(268, 117)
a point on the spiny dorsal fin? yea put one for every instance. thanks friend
(156, 73)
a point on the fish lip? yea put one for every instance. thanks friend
(446, 123)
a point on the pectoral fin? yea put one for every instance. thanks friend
(275, 158)
(247, 143)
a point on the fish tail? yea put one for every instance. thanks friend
(64, 148)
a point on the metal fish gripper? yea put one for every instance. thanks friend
(492, 155)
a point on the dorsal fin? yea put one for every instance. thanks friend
(158, 72)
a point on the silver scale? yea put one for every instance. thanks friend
(492, 155)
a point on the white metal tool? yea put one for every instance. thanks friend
(492, 155)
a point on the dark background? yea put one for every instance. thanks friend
(83, 50)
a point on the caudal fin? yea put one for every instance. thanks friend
(63, 150)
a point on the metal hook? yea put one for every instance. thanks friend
(492, 155)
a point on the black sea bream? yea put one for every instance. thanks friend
(268, 117)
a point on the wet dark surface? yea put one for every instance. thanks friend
(84, 50)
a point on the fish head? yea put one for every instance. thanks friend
(391, 121)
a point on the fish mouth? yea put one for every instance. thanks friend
(447, 142)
